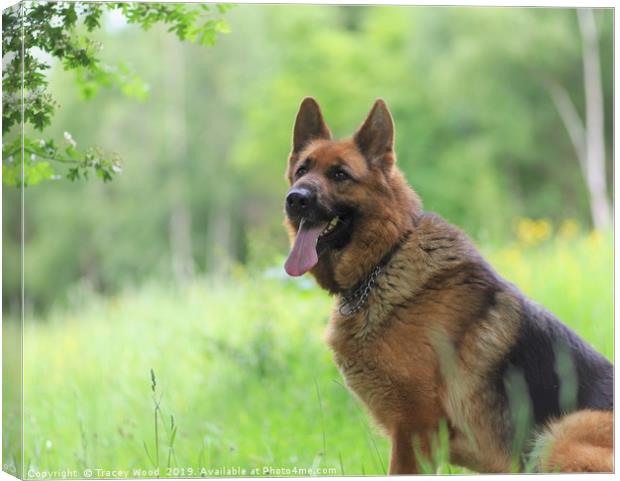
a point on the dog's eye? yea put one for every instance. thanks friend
(339, 175)
(301, 171)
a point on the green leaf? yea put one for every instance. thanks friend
(11, 174)
(73, 174)
(224, 7)
(222, 27)
(36, 172)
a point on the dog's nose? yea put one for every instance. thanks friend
(299, 201)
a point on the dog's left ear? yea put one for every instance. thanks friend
(375, 138)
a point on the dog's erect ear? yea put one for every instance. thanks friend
(375, 138)
(309, 124)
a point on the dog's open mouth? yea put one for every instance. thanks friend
(311, 240)
(333, 226)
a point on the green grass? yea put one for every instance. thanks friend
(242, 377)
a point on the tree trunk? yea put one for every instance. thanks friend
(594, 124)
(181, 243)
(219, 239)
(175, 152)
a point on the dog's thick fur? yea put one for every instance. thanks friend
(441, 334)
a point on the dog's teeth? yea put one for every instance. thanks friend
(330, 226)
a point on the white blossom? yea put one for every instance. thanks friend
(69, 139)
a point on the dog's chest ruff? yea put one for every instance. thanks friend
(376, 364)
(362, 334)
(366, 374)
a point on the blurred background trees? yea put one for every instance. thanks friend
(497, 117)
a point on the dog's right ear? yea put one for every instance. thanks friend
(309, 124)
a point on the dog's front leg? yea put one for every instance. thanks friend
(402, 458)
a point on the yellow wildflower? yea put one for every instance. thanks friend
(531, 231)
(568, 229)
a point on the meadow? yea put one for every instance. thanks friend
(232, 373)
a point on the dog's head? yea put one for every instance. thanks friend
(348, 203)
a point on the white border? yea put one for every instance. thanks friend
(480, 3)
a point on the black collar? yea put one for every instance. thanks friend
(354, 299)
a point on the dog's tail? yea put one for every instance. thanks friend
(578, 442)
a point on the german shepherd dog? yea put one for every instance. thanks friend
(424, 331)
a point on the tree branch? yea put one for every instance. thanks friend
(46, 157)
(56, 159)
(570, 117)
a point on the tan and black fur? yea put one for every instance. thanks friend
(441, 334)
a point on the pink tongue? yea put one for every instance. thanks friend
(303, 256)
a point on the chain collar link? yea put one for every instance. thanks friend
(353, 302)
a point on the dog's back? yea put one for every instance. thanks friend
(562, 372)
(563, 376)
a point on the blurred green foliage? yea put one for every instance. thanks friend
(205, 133)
